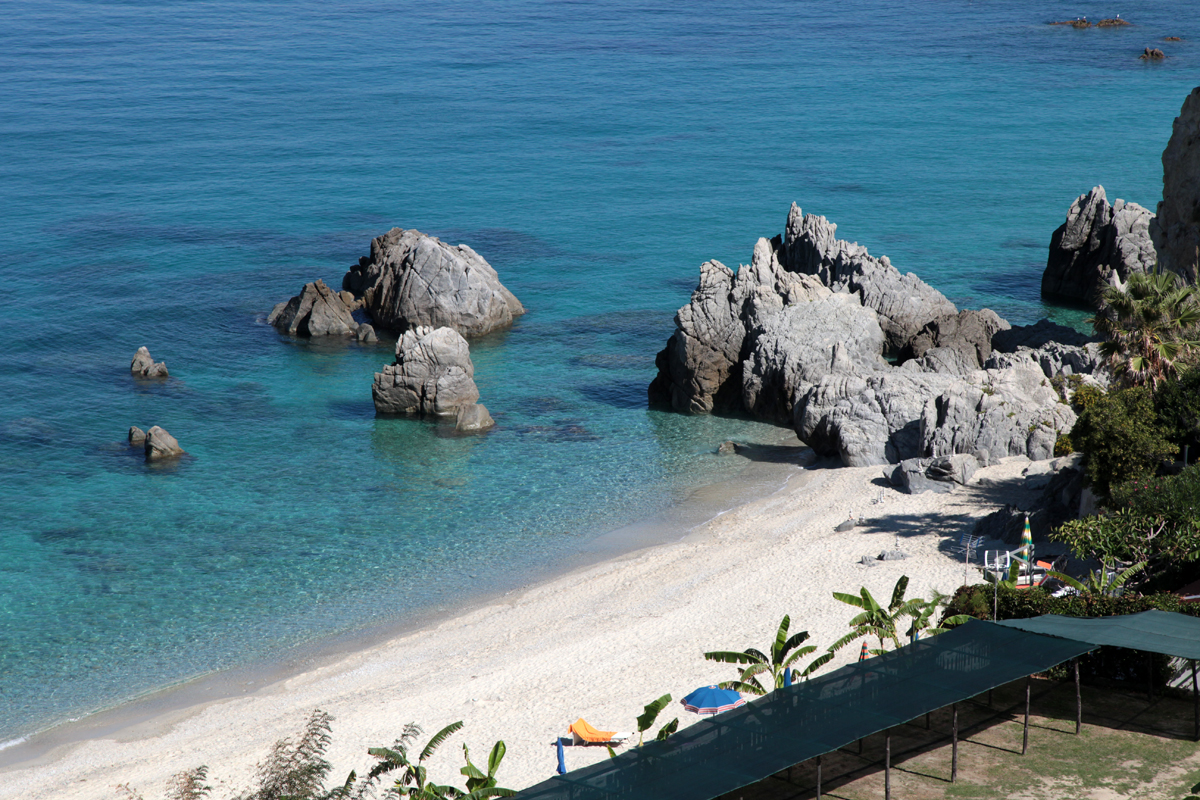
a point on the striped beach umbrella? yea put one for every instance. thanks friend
(711, 700)
(862, 655)
(1027, 548)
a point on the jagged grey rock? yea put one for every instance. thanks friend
(969, 332)
(910, 476)
(726, 449)
(411, 279)
(1176, 228)
(316, 311)
(1036, 335)
(433, 374)
(472, 418)
(1059, 360)
(137, 436)
(144, 366)
(904, 302)
(160, 445)
(1099, 245)
(792, 349)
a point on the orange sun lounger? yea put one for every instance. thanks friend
(583, 733)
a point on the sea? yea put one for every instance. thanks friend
(171, 170)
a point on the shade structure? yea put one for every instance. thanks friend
(1163, 632)
(711, 700)
(725, 752)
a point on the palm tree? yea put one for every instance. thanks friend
(875, 620)
(1146, 323)
(774, 664)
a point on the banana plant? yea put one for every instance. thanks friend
(773, 665)
(1009, 582)
(1099, 582)
(876, 620)
(649, 714)
(479, 785)
(922, 619)
(413, 779)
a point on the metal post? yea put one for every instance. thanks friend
(887, 766)
(1025, 737)
(954, 747)
(1195, 703)
(1078, 700)
(818, 778)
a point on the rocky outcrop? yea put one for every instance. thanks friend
(144, 366)
(1040, 333)
(159, 445)
(1056, 360)
(1099, 245)
(1152, 54)
(137, 436)
(904, 302)
(432, 375)
(967, 332)
(1176, 228)
(316, 311)
(916, 475)
(411, 279)
(473, 418)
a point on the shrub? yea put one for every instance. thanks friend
(1085, 397)
(1132, 536)
(1063, 446)
(1120, 438)
(1175, 499)
(1177, 405)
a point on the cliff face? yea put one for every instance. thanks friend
(1176, 228)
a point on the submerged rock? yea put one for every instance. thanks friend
(472, 418)
(1152, 54)
(1176, 228)
(137, 436)
(411, 279)
(1100, 245)
(316, 311)
(160, 445)
(433, 375)
(144, 366)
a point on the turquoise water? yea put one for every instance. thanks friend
(169, 171)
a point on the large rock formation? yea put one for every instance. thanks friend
(904, 302)
(411, 280)
(798, 336)
(144, 366)
(316, 311)
(433, 375)
(1099, 245)
(1176, 229)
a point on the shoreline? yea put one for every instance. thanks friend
(768, 468)
(597, 641)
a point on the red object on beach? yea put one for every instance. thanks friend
(862, 656)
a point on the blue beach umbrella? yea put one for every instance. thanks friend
(562, 762)
(711, 700)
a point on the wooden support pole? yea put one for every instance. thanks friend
(1079, 701)
(1195, 704)
(860, 741)
(818, 778)
(1025, 737)
(887, 766)
(926, 720)
(1150, 675)
(954, 746)
(989, 698)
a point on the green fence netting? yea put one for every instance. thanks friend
(1151, 631)
(790, 725)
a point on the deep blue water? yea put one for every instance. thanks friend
(170, 170)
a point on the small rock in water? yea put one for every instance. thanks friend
(143, 365)
(474, 417)
(1152, 54)
(726, 448)
(366, 333)
(137, 437)
(160, 445)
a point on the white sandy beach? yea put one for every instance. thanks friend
(599, 642)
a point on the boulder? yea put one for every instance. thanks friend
(411, 280)
(726, 449)
(1152, 54)
(472, 418)
(160, 445)
(432, 375)
(137, 437)
(316, 311)
(366, 333)
(1036, 335)
(916, 475)
(1176, 228)
(903, 302)
(144, 366)
(969, 332)
(1099, 245)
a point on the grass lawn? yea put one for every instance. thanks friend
(1129, 747)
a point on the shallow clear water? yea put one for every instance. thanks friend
(169, 171)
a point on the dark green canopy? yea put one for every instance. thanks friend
(796, 723)
(1152, 631)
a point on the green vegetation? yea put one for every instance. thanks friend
(649, 714)
(1148, 325)
(1121, 439)
(772, 665)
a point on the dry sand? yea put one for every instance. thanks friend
(599, 642)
